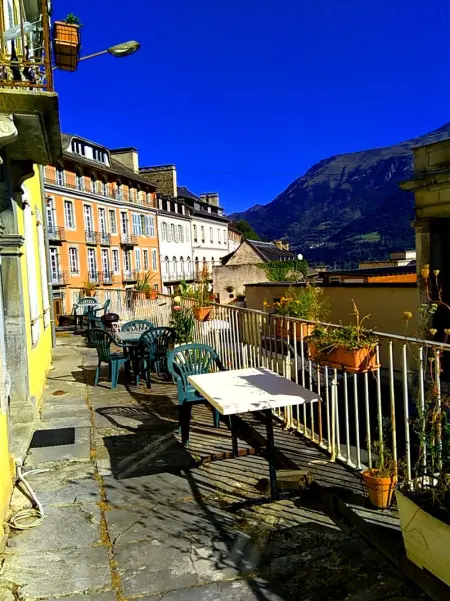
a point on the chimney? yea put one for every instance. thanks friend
(164, 177)
(279, 244)
(212, 198)
(128, 157)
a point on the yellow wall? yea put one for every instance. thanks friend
(6, 472)
(39, 356)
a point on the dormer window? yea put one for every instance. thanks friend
(78, 147)
(183, 209)
(100, 155)
(196, 206)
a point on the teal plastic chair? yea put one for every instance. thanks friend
(102, 341)
(137, 325)
(83, 308)
(153, 348)
(189, 360)
(103, 308)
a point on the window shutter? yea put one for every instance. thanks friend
(31, 270)
(43, 265)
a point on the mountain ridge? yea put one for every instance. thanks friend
(347, 207)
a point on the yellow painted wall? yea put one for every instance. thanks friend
(39, 356)
(6, 472)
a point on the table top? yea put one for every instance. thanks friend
(131, 336)
(252, 389)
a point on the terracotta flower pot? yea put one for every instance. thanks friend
(66, 43)
(380, 489)
(88, 293)
(202, 313)
(341, 357)
(302, 330)
(153, 295)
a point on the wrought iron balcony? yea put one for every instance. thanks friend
(59, 278)
(105, 239)
(56, 233)
(106, 277)
(91, 237)
(128, 240)
(94, 277)
(25, 58)
(129, 275)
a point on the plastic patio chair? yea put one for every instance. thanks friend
(82, 308)
(189, 360)
(102, 340)
(103, 308)
(153, 349)
(137, 325)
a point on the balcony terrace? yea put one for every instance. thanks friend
(56, 234)
(105, 239)
(128, 240)
(59, 278)
(92, 237)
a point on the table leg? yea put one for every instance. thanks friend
(185, 422)
(234, 436)
(271, 458)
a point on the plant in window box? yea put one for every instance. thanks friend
(144, 285)
(88, 288)
(201, 295)
(382, 479)
(67, 42)
(302, 303)
(350, 347)
(183, 322)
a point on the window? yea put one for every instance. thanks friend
(105, 190)
(124, 222)
(127, 261)
(211, 236)
(132, 194)
(202, 231)
(105, 262)
(79, 181)
(43, 270)
(60, 176)
(172, 232)
(168, 205)
(183, 209)
(145, 259)
(51, 214)
(175, 207)
(69, 218)
(195, 233)
(30, 254)
(118, 190)
(115, 260)
(149, 197)
(78, 147)
(177, 233)
(188, 267)
(99, 155)
(219, 239)
(92, 264)
(138, 259)
(181, 266)
(175, 266)
(224, 236)
(188, 233)
(112, 222)
(164, 230)
(88, 221)
(167, 262)
(73, 261)
(180, 233)
(160, 204)
(136, 224)
(93, 182)
(150, 226)
(154, 260)
(102, 220)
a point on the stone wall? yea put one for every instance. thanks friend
(164, 177)
(237, 276)
(245, 255)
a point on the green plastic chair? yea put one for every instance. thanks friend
(102, 340)
(137, 325)
(86, 304)
(189, 360)
(153, 349)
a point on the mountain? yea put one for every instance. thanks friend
(346, 208)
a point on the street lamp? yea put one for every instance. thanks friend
(119, 50)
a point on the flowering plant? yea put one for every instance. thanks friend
(182, 322)
(304, 303)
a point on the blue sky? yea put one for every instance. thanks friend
(245, 95)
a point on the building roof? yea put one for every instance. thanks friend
(186, 193)
(268, 251)
(115, 168)
(374, 271)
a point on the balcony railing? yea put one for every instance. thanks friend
(59, 278)
(128, 240)
(25, 48)
(94, 277)
(106, 277)
(129, 275)
(91, 237)
(105, 239)
(56, 234)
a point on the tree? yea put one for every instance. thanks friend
(245, 229)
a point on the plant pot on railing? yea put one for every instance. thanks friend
(380, 489)
(202, 313)
(426, 538)
(66, 45)
(302, 330)
(151, 294)
(341, 357)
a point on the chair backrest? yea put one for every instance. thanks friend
(101, 339)
(87, 300)
(137, 325)
(193, 359)
(106, 304)
(157, 341)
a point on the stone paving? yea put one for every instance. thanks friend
(130, 516)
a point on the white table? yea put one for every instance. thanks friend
(246, 390)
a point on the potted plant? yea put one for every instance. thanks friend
(66, 42)
(382, 479)
(350, 347)
(88, 288)
(144, 285)
(302, 303)
(183, 322)
(424, 502)
(230, 290)
(202, 307)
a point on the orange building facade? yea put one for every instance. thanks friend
(101, 221)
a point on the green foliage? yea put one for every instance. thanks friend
(304, 303)
(144, 284)
(285, 271)
(351, 336)
(183, 323)
(201, 291)
(245, 229)
(72, 19)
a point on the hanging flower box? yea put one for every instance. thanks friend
(66, 45)
(341, 357)
(285, 329)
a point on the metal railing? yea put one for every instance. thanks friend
(356, 410)
(56, 233)
(105, 239)
(129, 275)
(25, 48)
(106, 277)
(59, 278)
(91, 237)
(128, 239)
(94, 277)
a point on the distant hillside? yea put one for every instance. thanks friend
(348, 207)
